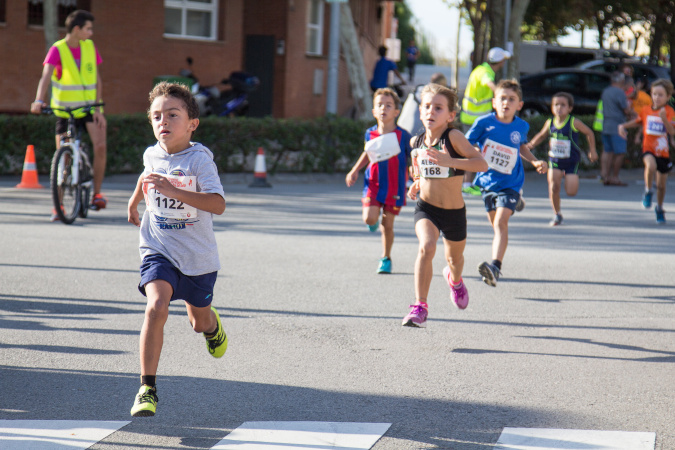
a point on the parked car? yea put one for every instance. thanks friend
(651, 72)
(585, 85)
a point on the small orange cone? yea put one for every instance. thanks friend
(29, 177)
(260, 171)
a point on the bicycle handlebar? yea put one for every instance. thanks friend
(69, 111)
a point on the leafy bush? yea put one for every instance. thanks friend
(325, 144)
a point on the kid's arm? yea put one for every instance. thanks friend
(136, 197)
(474, 161)
(415, 187)
(630, 124)
(205, 201)
(539, 137)
(590, 137)
(663, 114)
(527, 155)
(353, 174)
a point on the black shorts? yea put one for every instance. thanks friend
(663, 165)
(62, 123)
(450, 222)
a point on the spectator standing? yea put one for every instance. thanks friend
(412, 53)
(615, 110)
(477, 99)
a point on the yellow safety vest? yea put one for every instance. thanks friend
(599, 117)
(76, 87)
(478, 96)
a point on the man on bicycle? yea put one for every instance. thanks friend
(71, 67)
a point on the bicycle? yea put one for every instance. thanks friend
(71, 175)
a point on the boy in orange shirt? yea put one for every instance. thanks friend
(657, 123)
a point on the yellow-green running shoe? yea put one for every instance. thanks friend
(472, 190)
(145, 404)
(218, 343)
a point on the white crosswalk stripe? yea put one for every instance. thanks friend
(54, 434)
(303, 436)
(552, 439)
(81, 434)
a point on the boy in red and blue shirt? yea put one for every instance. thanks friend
(387, 158)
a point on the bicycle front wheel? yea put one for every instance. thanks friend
(65, 193)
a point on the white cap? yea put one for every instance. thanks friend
(497, 54)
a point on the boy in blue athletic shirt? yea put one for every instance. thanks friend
(501, 138)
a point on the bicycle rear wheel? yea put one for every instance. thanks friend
(65, 194)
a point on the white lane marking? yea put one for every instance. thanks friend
(303, 436)
(553, 439)
(54, 434)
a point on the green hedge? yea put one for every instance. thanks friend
(326, 144)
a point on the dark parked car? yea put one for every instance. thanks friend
(585, 85)
(640, 70)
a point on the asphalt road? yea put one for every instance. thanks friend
(578, 334)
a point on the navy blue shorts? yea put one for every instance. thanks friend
(196, 290)
(569, 166)
(508, 198)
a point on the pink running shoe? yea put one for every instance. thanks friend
(417, 317)
(458, 294)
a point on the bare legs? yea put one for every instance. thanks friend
(156, 314)
(370, 216)
(428, 234)
(555, 178)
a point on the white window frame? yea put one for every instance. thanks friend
(186, 5)
(318, 27)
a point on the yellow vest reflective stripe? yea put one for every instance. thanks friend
(76, 87)
(599, 117)
(477, 99)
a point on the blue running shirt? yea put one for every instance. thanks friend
(500, 146)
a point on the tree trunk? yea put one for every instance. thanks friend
(517, 14)
(657, 38)
(497, 10)
(50, 24)
(600, 25)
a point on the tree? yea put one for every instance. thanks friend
(476, 13)
(406, 32)
(546, 21)
(50, 17)
(517, 13)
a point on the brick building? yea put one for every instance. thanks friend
(283, 42)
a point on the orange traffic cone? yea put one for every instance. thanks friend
(29, 177)
(260, 171)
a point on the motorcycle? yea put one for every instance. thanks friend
(230, 102)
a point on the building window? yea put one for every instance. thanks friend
(315, 27)
(36, 11)
(3, 18)
(191, 19)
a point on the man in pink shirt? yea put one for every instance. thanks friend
(79, 26)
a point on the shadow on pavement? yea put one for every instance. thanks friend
(99, 395)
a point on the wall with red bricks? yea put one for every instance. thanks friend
(129, 37)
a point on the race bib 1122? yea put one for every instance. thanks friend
(171, 208)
